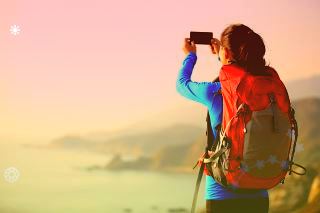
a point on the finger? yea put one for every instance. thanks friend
(212, 50)
(215, 49)
(193, 45)
(215, 41)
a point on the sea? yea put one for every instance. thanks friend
(44, 180)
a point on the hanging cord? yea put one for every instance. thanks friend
(294, 127)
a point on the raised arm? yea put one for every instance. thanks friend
(201, 92)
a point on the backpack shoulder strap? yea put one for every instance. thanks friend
(209, 132)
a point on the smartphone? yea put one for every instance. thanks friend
(201, 37)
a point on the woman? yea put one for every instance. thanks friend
(238, 46)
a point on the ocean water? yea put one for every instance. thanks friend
(52, 181)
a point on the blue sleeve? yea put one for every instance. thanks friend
(201, 92)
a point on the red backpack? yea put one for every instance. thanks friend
(258, 134)
(255, 145)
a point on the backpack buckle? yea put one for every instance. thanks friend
(226, 143)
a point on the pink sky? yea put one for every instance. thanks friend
(81, 66)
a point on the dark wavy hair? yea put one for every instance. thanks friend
(247, 48)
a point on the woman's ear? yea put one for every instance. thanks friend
(227, 54)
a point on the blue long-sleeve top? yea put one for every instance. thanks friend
(203, 92)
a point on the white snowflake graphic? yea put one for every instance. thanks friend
(272, 159)
(260, 164)
(11, 174)
(284, 164)
(299, 147)
(15, 30)
(245, 167)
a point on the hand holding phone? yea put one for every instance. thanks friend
(188, 46)
(215, 46)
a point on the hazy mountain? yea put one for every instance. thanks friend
(171, 158)
(308, 117)
(304, 88)
(134, 144)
